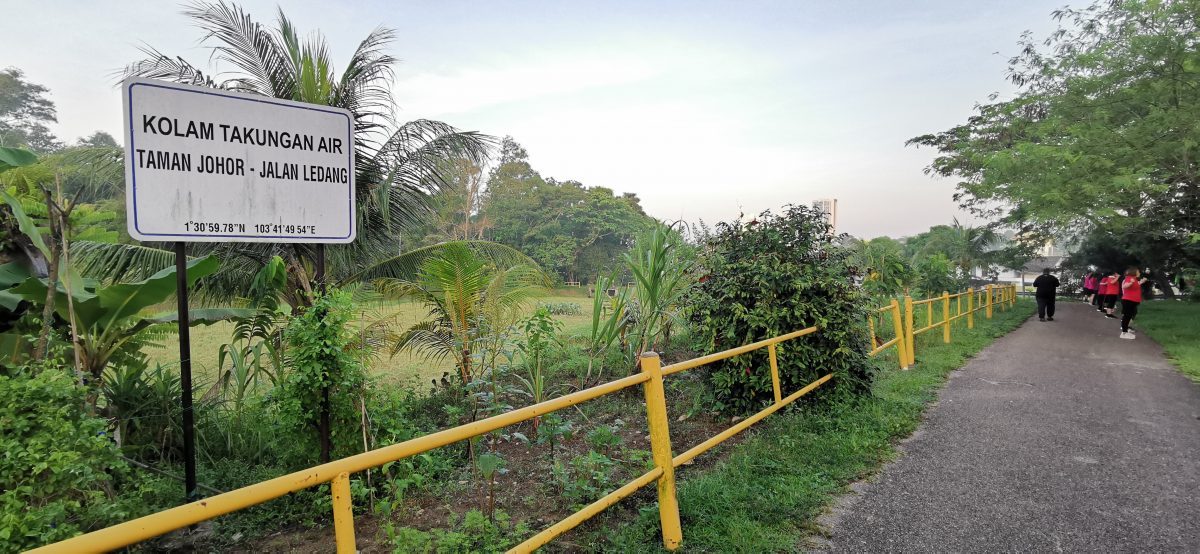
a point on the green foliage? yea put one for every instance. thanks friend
(771, 276)
(587, 477)
(475, 533)
(468, 297)
(608, 325)
(662, 275)
(604, 439)
(323, 374)
(883, 266)
(570, 229)
(24, 113)
(57, 471)
(540, 335)
(935, 275)
(109, 319)
(144, 406)
(256, 351)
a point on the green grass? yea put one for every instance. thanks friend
(404, 367)
(766, 496)
(1176, 326)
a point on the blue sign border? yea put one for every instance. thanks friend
(133, 168)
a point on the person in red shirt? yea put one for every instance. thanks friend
(1131, 298)
(1110, 287)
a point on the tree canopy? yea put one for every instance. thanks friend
(1104, 132)
(570, 229)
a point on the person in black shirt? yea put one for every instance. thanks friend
(1045, 285)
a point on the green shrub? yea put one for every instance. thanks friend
(768, 277)
(323, 375)
(57, 463)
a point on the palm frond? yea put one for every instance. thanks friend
(109, 262)
(251, 48)
(161, 66)
(408, 264)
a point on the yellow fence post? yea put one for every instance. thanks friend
(775, 372)
(343, 514)
(971, 308)
(898, 327)
(660, 447)
(908, 330)
(945, 316)
(989, 301)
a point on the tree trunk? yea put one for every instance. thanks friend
(1164, 284)
(43, 344)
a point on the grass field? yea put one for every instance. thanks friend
(1176, 326)
(404, 367)
(767, 495)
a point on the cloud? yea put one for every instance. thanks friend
(450, 92)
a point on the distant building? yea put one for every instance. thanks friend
(828, 206)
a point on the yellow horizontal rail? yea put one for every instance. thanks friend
(885, 346)
(704, 360)
(746, 423)
(591, 510)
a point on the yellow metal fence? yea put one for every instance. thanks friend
(338, 472)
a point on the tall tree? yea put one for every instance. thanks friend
(24, 112)
(1103, 133)
(574, 230)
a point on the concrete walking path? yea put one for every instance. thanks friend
(1059, 437)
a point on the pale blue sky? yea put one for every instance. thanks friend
(703, 109)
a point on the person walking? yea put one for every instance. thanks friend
(1046, 286)
(1131, 298)
(1110, 287)
(1089, 286)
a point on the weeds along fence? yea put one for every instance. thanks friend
(338, 472)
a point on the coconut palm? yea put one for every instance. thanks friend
(467, 296)
(397, 166)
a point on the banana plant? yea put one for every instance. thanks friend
(109, 320)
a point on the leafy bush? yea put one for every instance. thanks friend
(57, 466)
(937, 274)
(768, 277)
(561, 308)
(322, 389)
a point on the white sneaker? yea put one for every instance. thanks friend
(1128, 336)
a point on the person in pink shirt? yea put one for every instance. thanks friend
(1089, 286)
(1131, 298)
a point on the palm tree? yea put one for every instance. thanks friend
(397, 166)
(467, 296)
(972, 247)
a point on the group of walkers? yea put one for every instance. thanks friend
(1102, 290)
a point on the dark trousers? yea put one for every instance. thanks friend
(1045, 306)
(1129, 310)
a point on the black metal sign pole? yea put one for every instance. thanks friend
(185, 371)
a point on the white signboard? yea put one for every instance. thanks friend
(209, 165)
